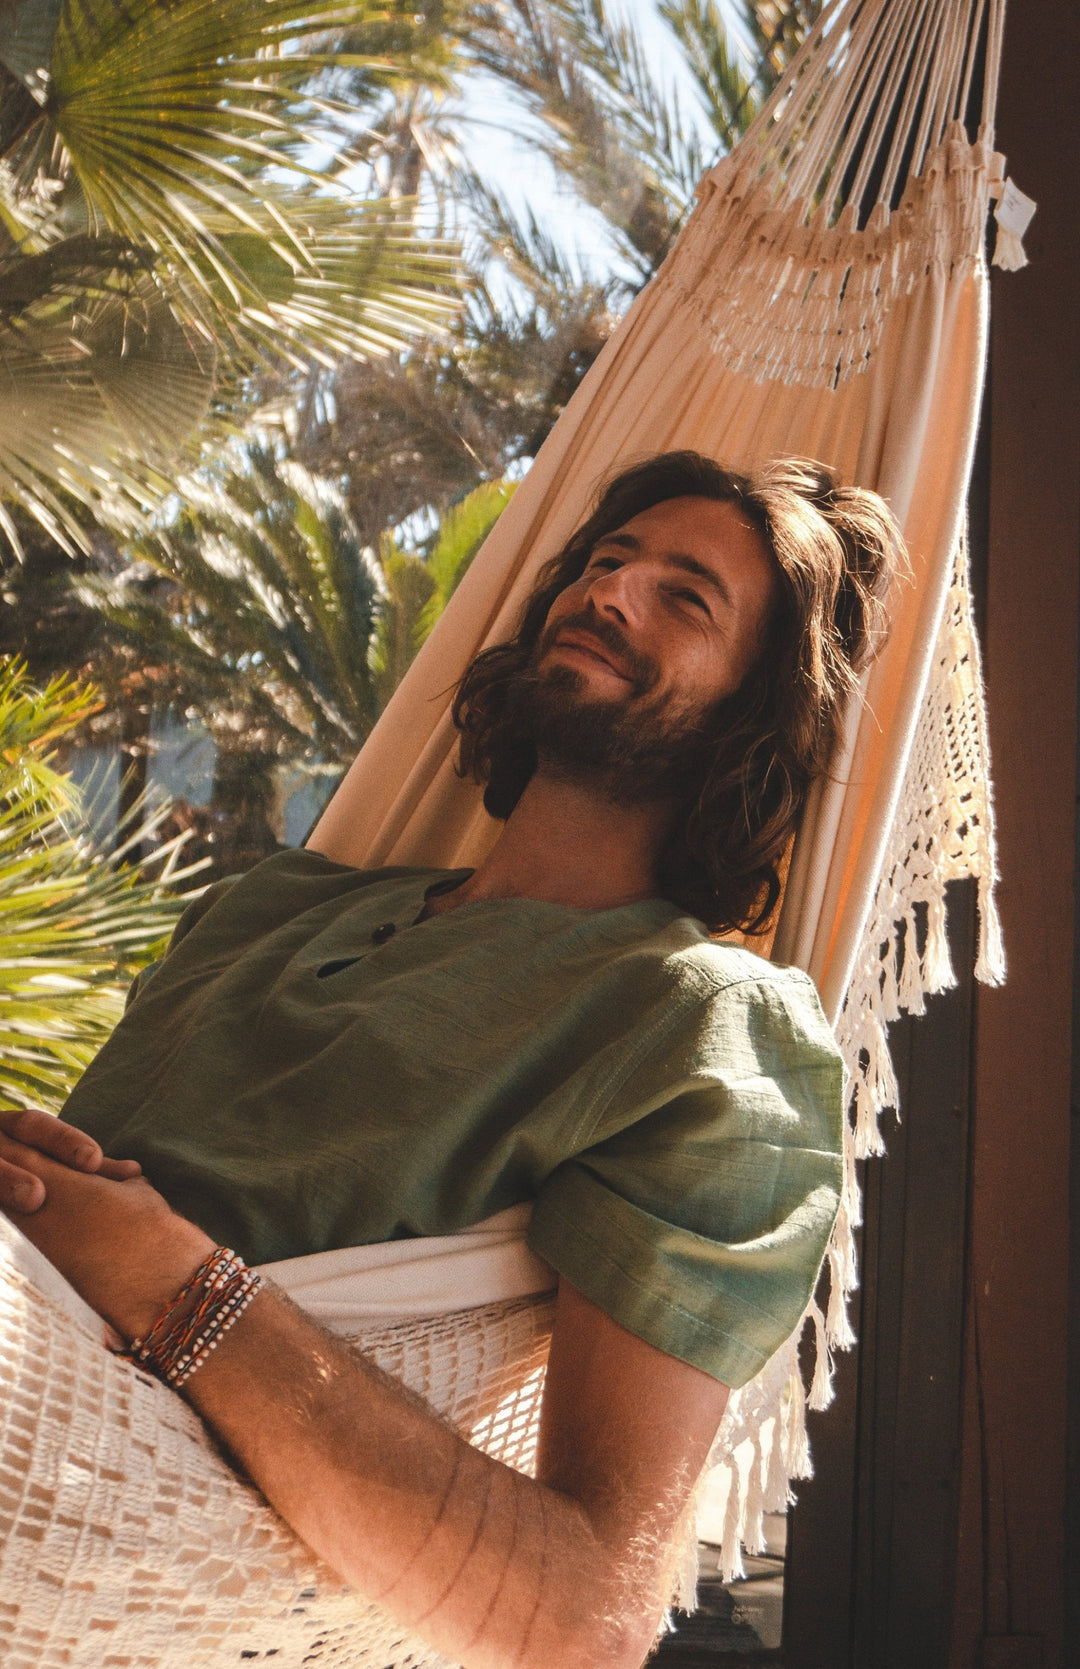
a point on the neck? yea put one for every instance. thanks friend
(566, 844)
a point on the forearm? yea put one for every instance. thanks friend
(491, 1567)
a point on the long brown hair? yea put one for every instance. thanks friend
(835, 549)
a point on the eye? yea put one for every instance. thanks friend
(692, 597)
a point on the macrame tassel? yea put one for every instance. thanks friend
(937, 968)
(890, 998)
(868, 1103)
(732, 1568)
(913, 977)
(752, 1532)
(778, 1495)
(990, 965)
(850, 1217)
(821, 1389)
(880, 1076)
(839, 1333)
(843, 1263)
(797, 1446)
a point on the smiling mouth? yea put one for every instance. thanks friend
(587, 645)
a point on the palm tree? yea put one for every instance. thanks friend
(76, 923)
(262, 598)
(164, 232)
(260, 613)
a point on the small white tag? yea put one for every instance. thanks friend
(1014, 211)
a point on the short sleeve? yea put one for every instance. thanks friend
(699, 1214)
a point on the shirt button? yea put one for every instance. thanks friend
(381, 934)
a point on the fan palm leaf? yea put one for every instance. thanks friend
(99, 385)
(183, 125)
(167, 154)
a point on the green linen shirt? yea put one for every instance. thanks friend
(311, 1067)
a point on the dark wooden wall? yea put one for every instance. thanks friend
(1009, 1607)
(872, 1542)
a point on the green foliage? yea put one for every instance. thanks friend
(732, 92)
(607, 125)
(269, 603)
(76, 923)
(278, 623)
(416, 588)
(462, 531)
(162, 234)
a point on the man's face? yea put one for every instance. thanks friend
(665, 622)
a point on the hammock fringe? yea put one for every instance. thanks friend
(943, 831)
(786, 302)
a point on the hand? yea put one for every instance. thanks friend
(23, 1191)
(119, 1243)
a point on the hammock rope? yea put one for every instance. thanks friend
(827, 297)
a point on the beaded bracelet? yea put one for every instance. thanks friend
(182, 1337)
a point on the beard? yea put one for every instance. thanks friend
(632, 748)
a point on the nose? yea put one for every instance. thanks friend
(616, 592)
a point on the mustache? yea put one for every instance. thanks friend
(640, 669)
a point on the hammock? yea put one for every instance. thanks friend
(828, 298)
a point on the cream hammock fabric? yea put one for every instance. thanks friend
(828, 297)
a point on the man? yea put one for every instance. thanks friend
(329, 1056)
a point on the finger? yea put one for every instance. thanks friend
(19, 1191)
(120, 1170)
(51, 1135)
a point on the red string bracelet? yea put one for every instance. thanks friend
(182, 1337)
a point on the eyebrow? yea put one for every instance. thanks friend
(678, 559)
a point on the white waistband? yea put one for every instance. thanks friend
(401, 1279)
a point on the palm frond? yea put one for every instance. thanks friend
(462, 531)
(523, 242)
(610, 128)
(99, 385)
(181, 135)
(165, 237)
(76, 923)
(268, 583)
(729, 94)
(408, 587)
